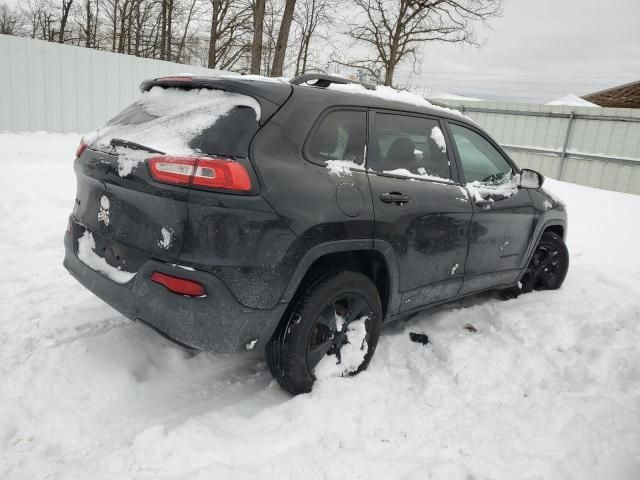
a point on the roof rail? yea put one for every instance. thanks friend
(323, 81)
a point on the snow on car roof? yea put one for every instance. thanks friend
(391, 94)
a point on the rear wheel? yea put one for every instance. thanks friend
(547, 268)
(332, 325)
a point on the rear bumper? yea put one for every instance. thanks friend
(216, 322)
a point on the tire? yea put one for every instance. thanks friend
(547, 268)
(309, 330)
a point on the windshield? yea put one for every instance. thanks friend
(185, 122)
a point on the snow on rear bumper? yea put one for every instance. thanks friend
(216, 323)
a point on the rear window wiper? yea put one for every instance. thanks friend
(120, 142)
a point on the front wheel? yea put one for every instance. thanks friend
(331, 328)
(547, 268)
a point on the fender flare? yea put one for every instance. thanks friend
(380, 246)
(543, 224)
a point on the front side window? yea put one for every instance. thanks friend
(341, 135)
(481, 161)
(409, 146)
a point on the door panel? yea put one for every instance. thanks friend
(502, 221)
(424, 216)
(428, 234)
(498, 239)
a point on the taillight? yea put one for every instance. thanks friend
(201, 172)
(178, 285)
(175, 170)
(81, 148)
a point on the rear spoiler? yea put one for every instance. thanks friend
(270, 95)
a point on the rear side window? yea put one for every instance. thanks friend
(410, 146)
(341, 135)
(186, 122)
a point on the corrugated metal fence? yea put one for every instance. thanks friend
(62, 88)
(598, 147)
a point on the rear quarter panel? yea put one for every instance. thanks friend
(303, 193)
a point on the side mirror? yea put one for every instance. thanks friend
(530, 179)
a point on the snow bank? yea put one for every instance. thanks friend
(548, 387)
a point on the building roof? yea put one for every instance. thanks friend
(623, 96)
(572, 100)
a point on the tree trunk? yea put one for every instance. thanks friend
(87, 40)
(167, 54)
(163, 29)
(94, 39)
(256, 46)
(388, 75)
(283, 39)
(213, 37)
(136, 48)
(305, 55)
(115, 26)
(184, 33)
(123, 29)
(66, 7)
(299, 56)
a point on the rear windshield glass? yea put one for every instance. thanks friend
(185, 122)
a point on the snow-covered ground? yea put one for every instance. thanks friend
(547, 388)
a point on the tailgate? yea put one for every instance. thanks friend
(120, 201)
(131, 210)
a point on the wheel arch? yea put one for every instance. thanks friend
(555, 225)
(374, 259)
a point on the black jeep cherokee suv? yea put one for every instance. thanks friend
(230, 214)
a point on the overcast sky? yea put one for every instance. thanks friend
(537, 51)
(540, 50)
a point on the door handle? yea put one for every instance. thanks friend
(396, 198)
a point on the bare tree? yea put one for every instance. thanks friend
(397, 29)
(164, 22)
(283, 38)
(256, 45)
(64, 16)
(9, 21)
(35, 12)
(86, 18)
(230, 26)
(185, 32)
(272, 15)
(243, 35)
(310, 15)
